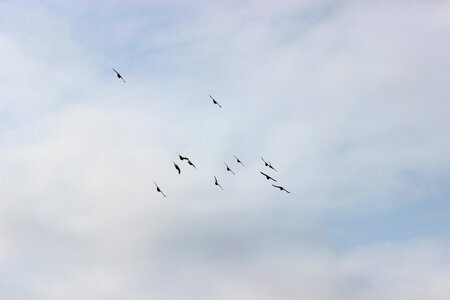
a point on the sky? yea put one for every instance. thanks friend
(349, 100)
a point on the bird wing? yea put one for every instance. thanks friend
(264, 174)
(115, 71)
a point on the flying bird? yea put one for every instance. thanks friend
(267, 176)
(237, 159)
(216, 183)
(177, 167)
(118, 75)
(182, 157)
(228, 168)
(215, 102)
(159, 190)
(190, 163)
(281, 188)
(268, 164)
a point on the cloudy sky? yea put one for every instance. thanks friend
(349, 100)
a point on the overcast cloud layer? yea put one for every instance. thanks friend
(348, 99)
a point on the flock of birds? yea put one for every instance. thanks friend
(216, 182)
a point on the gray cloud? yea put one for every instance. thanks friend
(347, 99)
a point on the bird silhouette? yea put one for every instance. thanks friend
(237, 159)
(159, 190)
(267, 176)
(281, 188)
(215, 102)
(190, 163)
(118, 75)
(216, 183)
(177, 167)
(228, 168)
(182, 157)
(268, 164)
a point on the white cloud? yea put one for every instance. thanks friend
(347, 99)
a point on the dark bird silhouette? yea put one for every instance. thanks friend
(159, 190)
(177, 167)
(182, 157)
(281, 188)
(215, 102)
(228, 168)
(216, 183)
(190, 163)
(118, 75)
(268, 164)
(237, 159)
(267, 176)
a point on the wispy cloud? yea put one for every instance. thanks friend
(347, 99)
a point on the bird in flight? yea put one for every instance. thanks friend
(159, 190)
(190, 163)
(281, 188)
(268, 164)
(216, 183)
(182, 157)
(267, 176)
(177, 167)
(228, 168)
(118, 75)
(215, 102)
(237, 159)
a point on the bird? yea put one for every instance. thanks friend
(267, 176)
(228, 168)
(268, 164)
(281, 188)
(215, 102)
(177, 167)
(216, 183)
(237, 159)
(119, 76)
(182, 157)
(190, 163)
(159, 190)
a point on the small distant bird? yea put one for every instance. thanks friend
(182, 157)
(216, 183)
(177, 167)
(237, 159)
(118, 75)
(159, 190)
(228, 168)
(281, 188)
(215, 102)
(190, 163)
(268, 164)
(267, 176)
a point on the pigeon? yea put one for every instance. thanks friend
(281, 188)
(159, 190)
(237, 160)
(268, 164)
(118, 75)
(267, 176)
(177, 167)
(215, 102)
(228, 168)
(190, 163)
(182, 157)
(216, 183)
